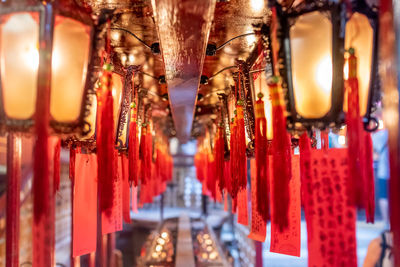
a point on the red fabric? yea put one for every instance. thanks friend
(258, 224)
(330, 213)
(241, 149)
(288, 241)
(134, 199)
(305, 154)
(225, 201)
(105, 143)
(211, 177)
(133, 148)
(242, 202)
(72, 152)
(281, 150)
(112, 218)
(146, 151)
(233, 160)
(84, 216)
(56, 168)
(219, 159)
(227, 177)
(261, 170)
(369, 182)
(126, 196)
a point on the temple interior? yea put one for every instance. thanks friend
(199, 133)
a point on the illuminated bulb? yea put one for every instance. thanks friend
(158, 248)
(346, 70)
(209, 248)
(32, 58)
(342, 140)
(124, 58)
(204, 255)
(208, 242)
(115, 35)
(381, 126)
(206, 236)
(251, 39)
(213, 255)
(164, 235)
(324, 74)
(131, 59)
(154, 255)
(257, 5)
(160, 241)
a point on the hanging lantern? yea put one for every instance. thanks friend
(312, 58)
(362, 34)
(125, 107)
(45, 56)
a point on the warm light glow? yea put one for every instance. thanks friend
(311, 55)
(359, 34)
(342, 140)
(251, 39)
(158, 248)
(164, 235)
(381, 125)
(257, 5)
(70, 58)
(19, 61)
(19, 57)
(323, 74)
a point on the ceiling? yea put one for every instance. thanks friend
(183, 29)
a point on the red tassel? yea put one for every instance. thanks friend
(233, 161)
(56, 169)
(281, 157)
(13, 199)
(219, 158)
(72, 156)
(305, 154)
(360, 148)
(146, 150)
(241, 149)
(369, 186)
(261, 146)
(105, 141)
(133, 149)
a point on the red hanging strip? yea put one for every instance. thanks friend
(133, 146)
(219, 158)
(56, 164)
(305, 154)
(72, 153)
(281, 151)
(13, 199)
(105, 140)
(261, 147)
(143, 155)
(330, 213)
(233, 161)
(369, 185)
(242, 209)
(288, 241)
(126, 194)
(84, 217)
(360, 163)
(258, 230)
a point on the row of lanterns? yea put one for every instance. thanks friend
(312, 40)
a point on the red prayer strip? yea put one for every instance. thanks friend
(330, 212)
(84, 217)
(288, 241)
(243, 217)
(112, 220)
(258, 225)
(126, 198)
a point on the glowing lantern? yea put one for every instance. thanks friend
(362, 34)
(312, 53)
(45, 56)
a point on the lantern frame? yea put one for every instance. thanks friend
(374, 95)
(287, 18)
(124, 110)
(47, 12)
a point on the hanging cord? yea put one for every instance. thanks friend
(220, 71)
(134, 35)
(236, 37)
